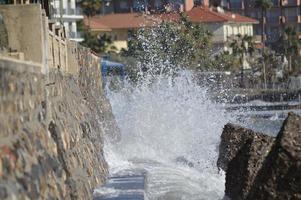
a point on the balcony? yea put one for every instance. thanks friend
(273, 20)
(236, 5)
(293, 2)
(76, 36)
(292, 19)
(276, 2)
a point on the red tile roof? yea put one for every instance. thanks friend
(208, 15)
(119, 21)
(137, 20)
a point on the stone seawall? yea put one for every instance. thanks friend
(52, 132)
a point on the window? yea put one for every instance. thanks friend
(139, 5)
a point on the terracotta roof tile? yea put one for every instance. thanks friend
(119, 21)
(137, 20)
(207, 15)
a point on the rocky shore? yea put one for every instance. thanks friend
(52, 132)
(261, 167)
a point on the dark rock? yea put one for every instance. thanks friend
(280, 174)
(243, 168)
(233, 138)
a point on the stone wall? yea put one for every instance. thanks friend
(52, 129)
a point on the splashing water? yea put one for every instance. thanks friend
(171, 130)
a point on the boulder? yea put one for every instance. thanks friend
(243, 168)
(280, 174)
(233, 138)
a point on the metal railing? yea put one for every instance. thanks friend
(292, 18)
(273, 19)
(292, 2)
(236, 5)
(75, 35)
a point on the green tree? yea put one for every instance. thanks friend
(264, 5)
(170, 46)
(241, 47)
(90, 8)
(98, 43)
(291, 45)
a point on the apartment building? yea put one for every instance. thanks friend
(122, 17)
(66, 12)
(60, 12)
(151, 6)
(283, 13)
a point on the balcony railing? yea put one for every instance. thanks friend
(75, 35)
(236, 5)
(292, 18)
(273, 19)
(70, 11)
(275, 2)
(293, 3)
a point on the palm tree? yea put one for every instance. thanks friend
(241, 47)
(90, 8)
(291, 44)
(264, 5)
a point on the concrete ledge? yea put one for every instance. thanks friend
(19, 65)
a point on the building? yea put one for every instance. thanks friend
(283, 13)
(48, 47)
(67, 13)
(61, 12)
(155, 6)
(118, 24)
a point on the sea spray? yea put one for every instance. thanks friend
(161, 121)
(170, 129)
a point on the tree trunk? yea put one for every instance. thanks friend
(242, 59)
(89, 17)
(263, 12)
(290, 63)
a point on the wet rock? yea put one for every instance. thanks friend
(243, 168)
(233, 138)
(280, 174)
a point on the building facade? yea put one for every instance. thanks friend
(151, 6)
(222, 24)
(66, 12)
(60, 12)
(284, 13)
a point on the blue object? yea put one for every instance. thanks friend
(107, 66)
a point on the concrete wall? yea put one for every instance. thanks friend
(24, 27)
(31, 35)
(217, 31)
(222, 32)
(188, 5)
